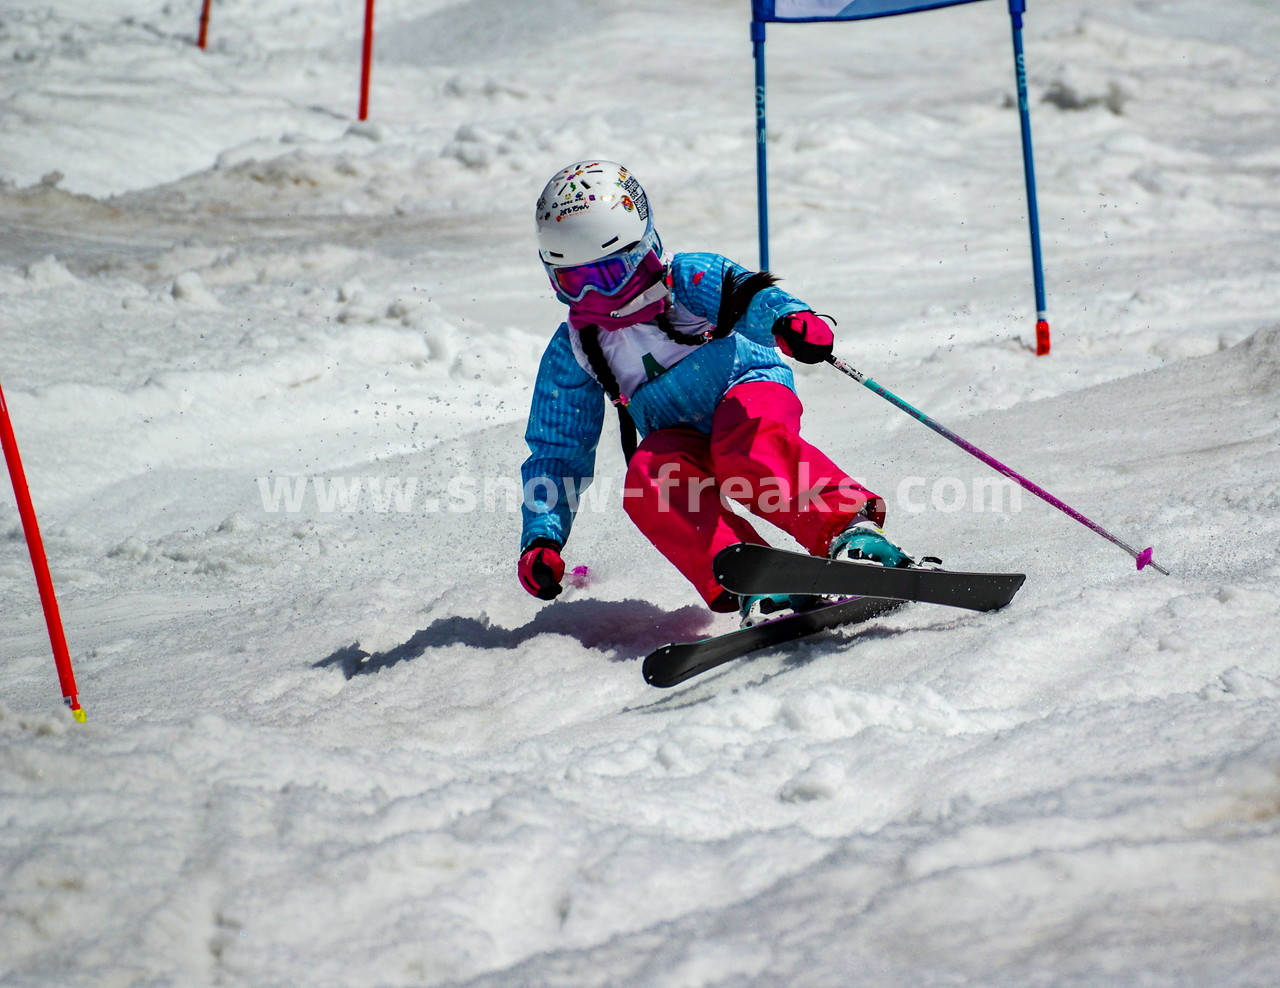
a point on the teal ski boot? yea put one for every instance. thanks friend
(865, 541)
(755, 608)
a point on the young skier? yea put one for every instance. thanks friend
(688, 348)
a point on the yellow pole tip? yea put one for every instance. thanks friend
(80, 716)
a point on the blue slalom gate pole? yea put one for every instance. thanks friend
(1016, 9)
(762, 168)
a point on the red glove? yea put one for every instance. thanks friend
(804, 337)
(541, 569)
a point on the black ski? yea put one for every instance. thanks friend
(674, 663)
(751, 569)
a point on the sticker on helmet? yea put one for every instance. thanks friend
(635, 197)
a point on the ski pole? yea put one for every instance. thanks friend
(1144, 557)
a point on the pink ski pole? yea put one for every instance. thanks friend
(1144, 557)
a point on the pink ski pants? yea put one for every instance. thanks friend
(680, 484)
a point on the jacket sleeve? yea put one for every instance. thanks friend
(563, 431)
(705, 284)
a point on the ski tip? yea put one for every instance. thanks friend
(652, 668)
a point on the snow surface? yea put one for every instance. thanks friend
(341, 747)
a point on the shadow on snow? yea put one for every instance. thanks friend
(628, 628)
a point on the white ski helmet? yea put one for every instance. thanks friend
(589, 211)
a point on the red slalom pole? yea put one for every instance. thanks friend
(367, 61)
(204, 24)
(35, 545)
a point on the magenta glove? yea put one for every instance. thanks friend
(541, 569)
(804, 337)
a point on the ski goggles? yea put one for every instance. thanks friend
(607, 276)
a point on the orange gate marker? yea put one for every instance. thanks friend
(203, 40)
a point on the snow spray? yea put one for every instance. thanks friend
(35, 545)
(1144, 557)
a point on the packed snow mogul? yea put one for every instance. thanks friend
(689, 348)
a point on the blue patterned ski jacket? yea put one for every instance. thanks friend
(667, 384)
